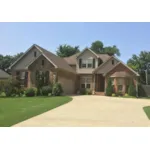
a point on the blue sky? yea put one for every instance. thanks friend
(130, 38)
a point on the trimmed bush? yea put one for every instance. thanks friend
(88, 92)
(46, 90)
(109, 89)
(57, 89)
(3, 94)
(30, 92)
(131, 90)
(126, 95)
(82, 91)
(113, 95)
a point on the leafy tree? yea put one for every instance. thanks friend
(109, 88)
(67, 50)
(112, 50)
(6, 61)
(139, 64)
(98, 47)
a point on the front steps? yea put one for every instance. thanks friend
(99, 93)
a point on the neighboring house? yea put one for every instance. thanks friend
(4, 75)
(93, 71)
(82, 70)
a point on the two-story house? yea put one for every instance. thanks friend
(82, 70)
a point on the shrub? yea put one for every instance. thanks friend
(82, 91)
(131, 90)
(30, 92)
(3, 94)
(88, 92)
(45, 90)
(126, 95)
(49, 94)
(113, 95)
(57, 89)
(10, 87)
(109, 88)
(119, 94)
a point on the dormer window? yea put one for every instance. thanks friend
(87, 63)
(113, 62)
(34, 54)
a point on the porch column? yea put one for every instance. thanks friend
(94, 84)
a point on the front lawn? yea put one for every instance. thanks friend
(147, 111)
(15, 110)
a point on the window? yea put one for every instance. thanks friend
(120, 88)
(113, 62)
(87, 63)
(82, 86)
(88, 86)
(34, 54)
(42, 62)
(120, 82)
(112, 80)
(22, 75)
(83, 63)
(86, 82)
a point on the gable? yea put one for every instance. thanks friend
(87, 54)
(26, 59)
(121, 68)
(37, 64)
(107, 66)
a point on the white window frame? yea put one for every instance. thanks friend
(118, 84)
(86, 82)
(86, 63)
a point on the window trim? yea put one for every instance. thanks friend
(86, 82)
(86, 63)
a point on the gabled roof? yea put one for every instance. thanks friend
(123, 65)
(88, 50)
(71, 60)
(57, 61)
(103, 63)
(3, 74)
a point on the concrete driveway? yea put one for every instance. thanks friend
(88, 111)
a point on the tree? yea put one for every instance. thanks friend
(139, 64)
(98, 47)
(67, 50)
(111, 50)
(6, 61)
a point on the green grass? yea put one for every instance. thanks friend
(15, 110)
(147, 111)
